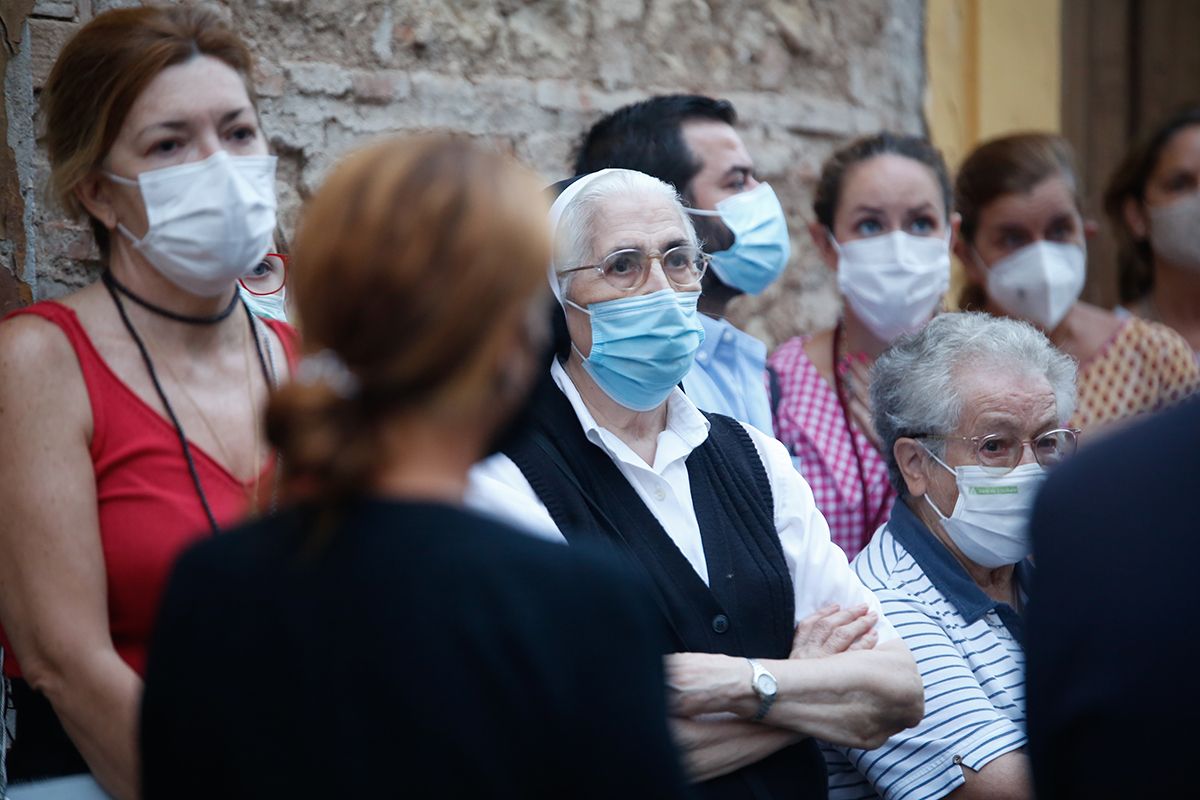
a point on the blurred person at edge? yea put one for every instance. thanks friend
(1113, 656)
(884, 226)
(130, 410)
(774, 640)
(1153, 203)
(971, 412)
(689, 142)
(387, 639)
(1023, 245)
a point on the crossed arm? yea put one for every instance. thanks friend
(837, 685)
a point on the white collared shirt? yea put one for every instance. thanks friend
(819, 570)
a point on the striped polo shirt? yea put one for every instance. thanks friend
(969, 650)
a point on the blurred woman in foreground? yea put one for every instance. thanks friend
(385, 639)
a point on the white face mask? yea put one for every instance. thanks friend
(268, 306)
(1175, 232)
(990, 521)
(893, 282)
(210, 221)
(1040, 282)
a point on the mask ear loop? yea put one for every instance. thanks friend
(833, 242)
(708, 212)
(936, 510)
(121, 179)
(978, 259)
(115, 178)
(944, 466)
(569, 302)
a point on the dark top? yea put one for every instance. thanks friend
(410, 650)
(1112, 629)
(748, 607)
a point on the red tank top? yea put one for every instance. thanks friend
(148, 507)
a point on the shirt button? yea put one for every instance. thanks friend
(702, 356)
(957, 759)
(659, 493)
(726, 336)
(720, 623)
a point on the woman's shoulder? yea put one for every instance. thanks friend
(1155, 356)
(802, 365)
(505, 553)
(54, 326)
(1089, 332)
(289, 339)
(40, 351)
(37, 332)
(371, 532)
(1170, 347)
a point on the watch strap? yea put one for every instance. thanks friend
(765, 701)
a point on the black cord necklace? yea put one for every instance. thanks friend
(212, 319)
(113, 287)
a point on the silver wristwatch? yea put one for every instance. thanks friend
(765, 686)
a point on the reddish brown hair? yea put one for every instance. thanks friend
(1013, 164)
(101, 72)
(1010, 165)
(406, 263)
(828, 193)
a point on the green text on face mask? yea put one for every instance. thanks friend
(995, 490)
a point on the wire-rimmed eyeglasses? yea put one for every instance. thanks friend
(1001, 453)
(629, 269)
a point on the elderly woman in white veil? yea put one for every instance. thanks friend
(775, 640)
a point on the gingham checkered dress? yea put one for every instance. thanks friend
(810, 423)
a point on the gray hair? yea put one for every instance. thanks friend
(913, 384)
(576, 232)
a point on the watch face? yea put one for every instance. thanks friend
(766, 685)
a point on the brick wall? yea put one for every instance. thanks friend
(525, 75)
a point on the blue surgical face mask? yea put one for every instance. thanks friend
(268, 306)
(761, 246)
(642, 346)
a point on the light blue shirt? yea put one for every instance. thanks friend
(729, 376)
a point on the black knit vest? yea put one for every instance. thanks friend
(748, 608)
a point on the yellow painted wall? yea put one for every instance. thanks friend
(1019, 66)
(993, 67)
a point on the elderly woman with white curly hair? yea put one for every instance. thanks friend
(971, 411)
(774, 639)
